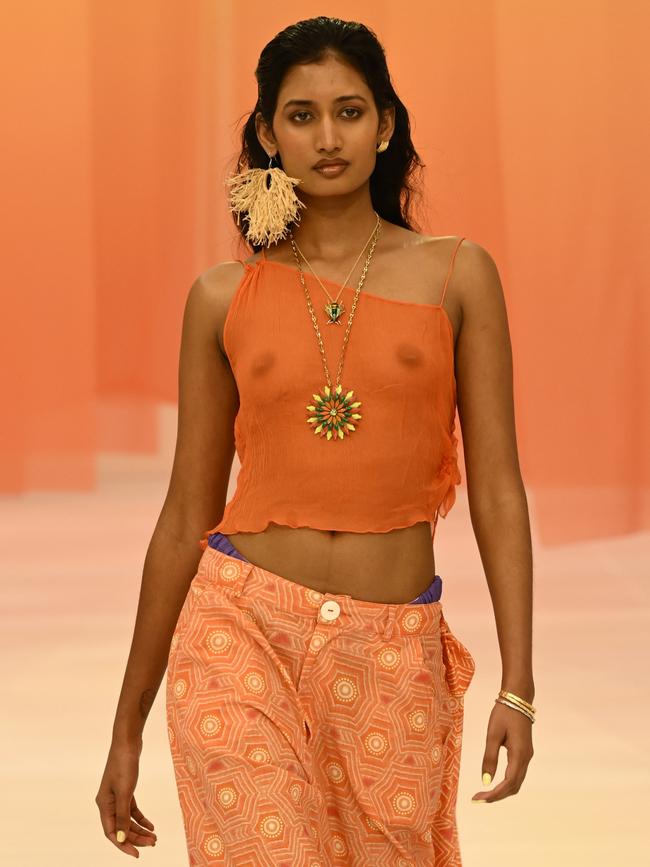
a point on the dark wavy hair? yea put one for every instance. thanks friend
(310, 41)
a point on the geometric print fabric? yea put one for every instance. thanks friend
(313, 728)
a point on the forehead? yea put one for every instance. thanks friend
(322, 82)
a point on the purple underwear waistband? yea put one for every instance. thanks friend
(223, 543)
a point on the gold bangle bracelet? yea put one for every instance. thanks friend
(517, 698)
(519, 704)
(515, 706)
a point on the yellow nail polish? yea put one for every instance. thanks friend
(487, 778)
(478, 801)
(121, 836)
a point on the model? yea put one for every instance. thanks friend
(314, 688)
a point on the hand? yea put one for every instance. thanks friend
(510, 728)
(118, 810)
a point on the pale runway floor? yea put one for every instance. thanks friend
(71, 568)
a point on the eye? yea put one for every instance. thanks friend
(350, 108)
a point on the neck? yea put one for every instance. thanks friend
(330, 234)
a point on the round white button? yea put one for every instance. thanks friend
(330, 610)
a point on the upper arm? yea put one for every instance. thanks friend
(484, 379)
(208, 402)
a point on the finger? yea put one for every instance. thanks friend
(125, 846)
(106, 806)
(488, 772)
(490, 759)
(146, 827)
(123, 822)
(514, 777)
(137, 813)
(141, 836)
(145, 832)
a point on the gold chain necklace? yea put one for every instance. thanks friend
(335, 309)
(334, 411)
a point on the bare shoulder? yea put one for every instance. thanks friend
(476, 279)
(220, 279)
(214, 290)
(473, 288)
(438, 251)
(441, 249)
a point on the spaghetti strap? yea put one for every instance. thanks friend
(449, 272)
(245, 263)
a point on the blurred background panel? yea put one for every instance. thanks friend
(120, 123)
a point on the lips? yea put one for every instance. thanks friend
(333, 164)
(333, 170)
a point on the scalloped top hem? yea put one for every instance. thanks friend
(227, 527)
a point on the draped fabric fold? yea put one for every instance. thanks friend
(449, 470)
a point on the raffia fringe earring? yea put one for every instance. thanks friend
(267, 199)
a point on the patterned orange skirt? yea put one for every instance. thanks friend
(313, 729)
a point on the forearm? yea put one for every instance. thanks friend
(170, 564)
(502, 531)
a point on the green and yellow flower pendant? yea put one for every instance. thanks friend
(333, 412)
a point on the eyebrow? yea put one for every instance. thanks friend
(338, 99)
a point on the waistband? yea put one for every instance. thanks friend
(241, 578)
(432, 593)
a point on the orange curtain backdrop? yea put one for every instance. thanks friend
(121, 122)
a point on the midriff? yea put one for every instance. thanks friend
(392, 567)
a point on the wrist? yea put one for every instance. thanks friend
(125, 736)
(524, 687)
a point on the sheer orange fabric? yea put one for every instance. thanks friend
(398, 467)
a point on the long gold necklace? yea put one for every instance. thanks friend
(335, 308)
(333, 411)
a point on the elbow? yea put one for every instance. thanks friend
(497, 496)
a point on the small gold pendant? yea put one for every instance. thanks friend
(334, 310)
(332, 413)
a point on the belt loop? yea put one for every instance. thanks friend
(390, 622)
(240, 582)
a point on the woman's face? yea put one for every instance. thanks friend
(325, 110)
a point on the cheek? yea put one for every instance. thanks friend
(296, 149)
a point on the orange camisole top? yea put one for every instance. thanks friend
(398, 467)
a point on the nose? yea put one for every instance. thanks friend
(328, 140)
